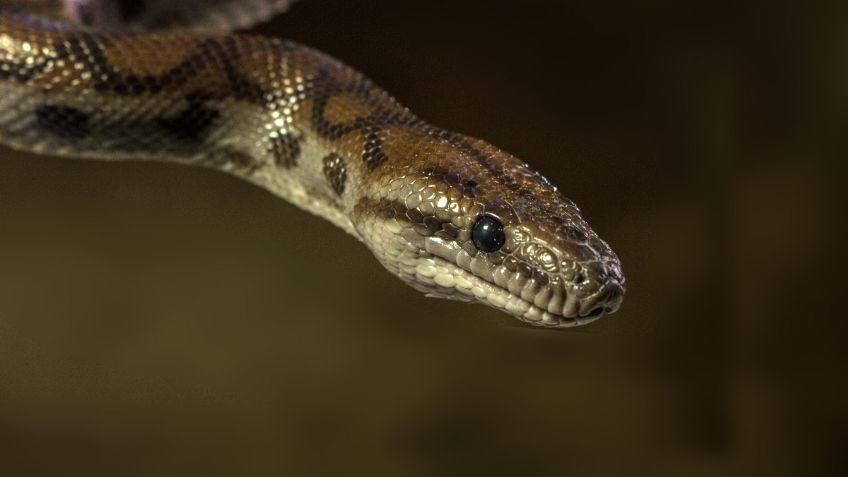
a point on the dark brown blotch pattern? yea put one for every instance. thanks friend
(285, 148)
(467, 186)
(382, 114)
(63, 121)
(193, 122)
(335, 171)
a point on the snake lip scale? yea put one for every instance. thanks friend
(450, 215)
(528, 312)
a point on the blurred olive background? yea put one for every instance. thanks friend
(158, 319)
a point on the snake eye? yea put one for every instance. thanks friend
(488, 234)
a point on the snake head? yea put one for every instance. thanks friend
(475, 224)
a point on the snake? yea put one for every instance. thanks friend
(450, 215)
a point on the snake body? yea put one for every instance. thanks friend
(451, 215)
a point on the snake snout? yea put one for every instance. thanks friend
(612, 299)
(607, 300)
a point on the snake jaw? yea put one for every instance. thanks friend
(439, 278)
(514, 280)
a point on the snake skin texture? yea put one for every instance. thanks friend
(452, 216)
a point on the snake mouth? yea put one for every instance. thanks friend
(465, 286)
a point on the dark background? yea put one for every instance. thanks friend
(158, 319)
